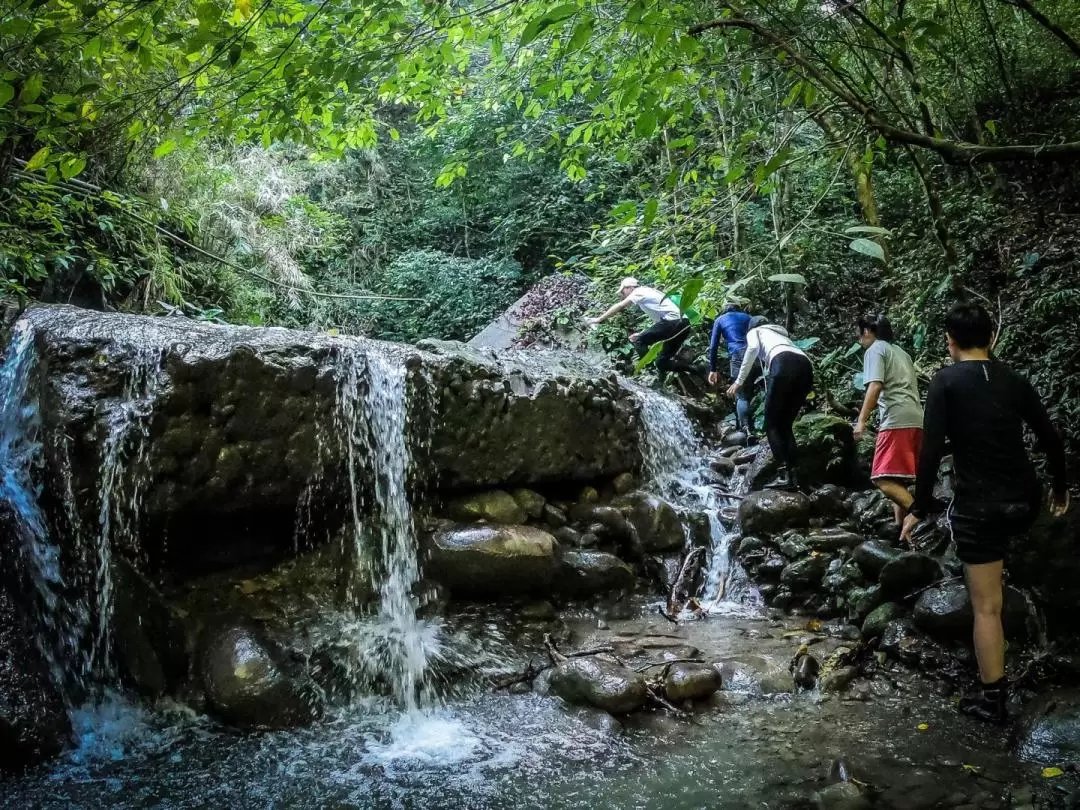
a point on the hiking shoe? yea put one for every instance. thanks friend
(987, 703)
(784, 481)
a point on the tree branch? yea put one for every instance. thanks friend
(957, 151)
(1047, 23)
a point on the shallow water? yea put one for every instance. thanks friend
(526, 751)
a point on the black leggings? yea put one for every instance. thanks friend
(791, 377)
(674, 334)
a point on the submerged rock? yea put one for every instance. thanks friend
(770, 512)
(1049, 729)
(494, 560)
(841, 796)
(655, 520)
(34, 723)
(248, 686)
(588, 572)
(944, 612)
(495, 506)
(603, 684)
(690, 682)
(908, 573)
(777, 682)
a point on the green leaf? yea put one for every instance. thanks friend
(235, 53)
(38, 160)
(788, 278)
(165, 148)
(651, 207)
(991, 127)
(650, 355)
(583, 32)
(871, 229)
(72, 166)
(31, 89)
(806, 343)
(645, 124)
(7, 93)
(545, 21)
(868, 248)
(690, 292)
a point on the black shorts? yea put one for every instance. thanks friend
(983, 532)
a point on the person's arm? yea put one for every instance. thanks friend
(933, 449)
(1034, 413)
(874, 379)
(870, 401)
(612, 311)
(753, 344)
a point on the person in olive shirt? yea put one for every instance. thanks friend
(981, 406)
(893, 389)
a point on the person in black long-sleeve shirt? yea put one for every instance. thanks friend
(981, 406)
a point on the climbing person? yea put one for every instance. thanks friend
(980, 406)
(668, 324)
(732, 325)
(893, 389)
(789, 377)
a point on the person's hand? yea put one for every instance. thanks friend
(733, 390)
(860, 430)
(713, 378)
(1059, 508)
(910, 522)
(633, 336)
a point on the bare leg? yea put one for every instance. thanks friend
(984, 587)
(896, 491)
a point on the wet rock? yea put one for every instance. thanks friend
(624, 483)
(589, 572)
(826, 453)
(769, 512)
(838, 680)
(944, 612)
(772, 567)
(656, 522)
(690, 682)
(905, 642)
(247, 684)
(841, 629)
(874, 555)
(828, 501)
(777, 682)
(33, 721)
(1049, 728)
(699, 529)
(599, 721)
(589, 495)
(532, 503)
(841, 796)
(553, 516)
(539, 611)
(496, 506)
(572, 538)
(804, 670)
(664, 570)
(736, 438)
(148, 637)
(602, 684)
(753, 545)
(911, 571)
(842, 577)
(880, 617)
(833, 540)
(493, 560)
(722, 465)
(793, 546)
(805, 574)
(862, 601)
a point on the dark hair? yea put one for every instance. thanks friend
(877, 325)
(757, 321)
(970, 325)
(732, 307)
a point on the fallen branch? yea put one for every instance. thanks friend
(531, 671)
(654, 664)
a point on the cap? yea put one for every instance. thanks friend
(629, 281)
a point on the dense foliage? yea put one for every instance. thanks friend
(283, 162)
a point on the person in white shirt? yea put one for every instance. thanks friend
(789, 380)
(668, 323)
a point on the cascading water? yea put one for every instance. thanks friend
(676, 466)
(372, 411)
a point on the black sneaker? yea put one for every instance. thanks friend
(784, 481)
(987, 703)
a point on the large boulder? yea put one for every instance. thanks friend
(603, 684)
(909, 573)
(248, 684)
(248, 423)
(826, 454)
(33, 720)
(492, 561)
(805, 574)
(944, 612)
(494, 506)
(874, 555)
(1049, 729)
(880, 617)
(773, 511)
(690, 682)
(656, 522)
(589, 572)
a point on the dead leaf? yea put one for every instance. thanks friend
(1052, 773)
(972, 768)
(923, 726)
(814, 625)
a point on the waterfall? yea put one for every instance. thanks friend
(372, 412)
(677, 468)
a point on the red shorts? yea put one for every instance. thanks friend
(896, 453)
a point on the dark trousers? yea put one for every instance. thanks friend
(791, 377)
(674, 334)
(744, 416)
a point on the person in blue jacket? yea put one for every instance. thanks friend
(733, 324)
